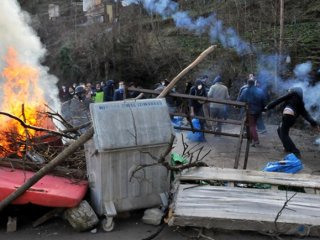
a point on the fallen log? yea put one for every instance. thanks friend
(186, 70)
(47, 168)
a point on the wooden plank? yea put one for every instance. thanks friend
(251, 176)
(246, 225)
(56, 212)
(246, 209)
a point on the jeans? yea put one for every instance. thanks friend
(260, 124)
(217, 113)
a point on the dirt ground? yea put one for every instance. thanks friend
(223, 150)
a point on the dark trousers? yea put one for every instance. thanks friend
(283, 132)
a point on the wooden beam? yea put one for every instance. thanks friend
(251, 176)
(188, 96)
(233, 208)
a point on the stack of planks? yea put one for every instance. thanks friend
(252, 209)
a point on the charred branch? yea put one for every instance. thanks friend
(34, 127)
(47, 168)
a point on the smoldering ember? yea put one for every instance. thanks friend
(160, 119)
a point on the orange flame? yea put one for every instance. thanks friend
(23, 98)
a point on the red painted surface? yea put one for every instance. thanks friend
(49, 191)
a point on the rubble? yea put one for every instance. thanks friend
(153, 216)
(82, 217)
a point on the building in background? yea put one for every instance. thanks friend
(103, 11)
(53, 11)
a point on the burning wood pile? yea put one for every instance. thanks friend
(30, 134)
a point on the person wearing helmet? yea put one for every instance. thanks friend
(76, 110)
(80, 93)
(292, 108)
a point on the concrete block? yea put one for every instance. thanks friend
(152, 216)
(12, 224)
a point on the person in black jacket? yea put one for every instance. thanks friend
(196, 105)
(293, 107)
(108, 91)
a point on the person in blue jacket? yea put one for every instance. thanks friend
(256, 101)
(120, 93)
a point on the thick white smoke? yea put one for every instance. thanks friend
(15, 32)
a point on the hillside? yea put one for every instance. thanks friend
(146, 48)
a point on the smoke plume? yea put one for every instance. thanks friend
(268, 66)
(15, 32)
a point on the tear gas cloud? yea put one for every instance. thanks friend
(15, 32)
(229, 38)
(210, 25)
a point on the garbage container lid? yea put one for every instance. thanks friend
(131, 123)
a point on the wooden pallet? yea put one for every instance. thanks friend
(234, 208)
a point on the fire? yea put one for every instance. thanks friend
(23, 98)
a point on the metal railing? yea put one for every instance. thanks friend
(244, 127)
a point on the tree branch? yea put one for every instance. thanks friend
(34, 127)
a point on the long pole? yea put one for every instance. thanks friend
(279, 57)
(281, 27)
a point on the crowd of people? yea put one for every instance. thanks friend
(258, 101)
(96, 93)
(251, 93)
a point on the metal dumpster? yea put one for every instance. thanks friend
(127, 134)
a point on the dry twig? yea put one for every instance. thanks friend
(283, 207)
(162, 160)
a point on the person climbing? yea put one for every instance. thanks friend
(292, 108)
